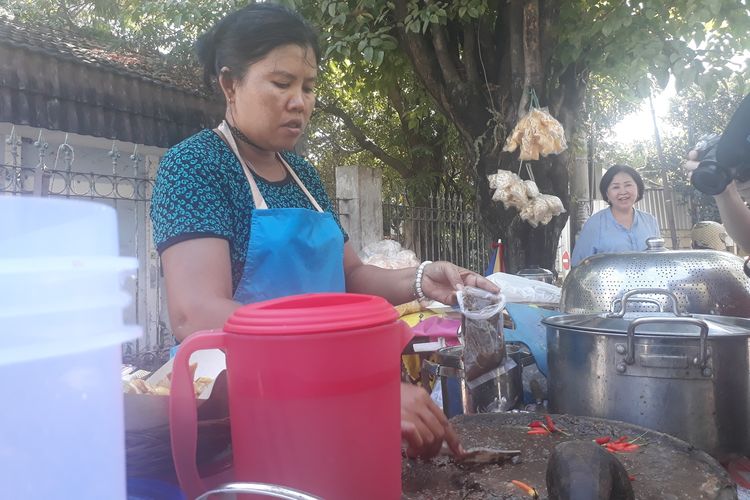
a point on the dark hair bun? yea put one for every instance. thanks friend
(249, 34)
(205, 49)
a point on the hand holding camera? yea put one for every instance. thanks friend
(718, 160)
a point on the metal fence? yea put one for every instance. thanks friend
(654, 203)
(128, 190)
(447, 228)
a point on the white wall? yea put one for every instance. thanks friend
(91, 156)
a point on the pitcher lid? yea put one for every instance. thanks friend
(311, 313)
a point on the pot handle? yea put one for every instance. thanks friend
(702, 350)
(655, 302)
(644, 291)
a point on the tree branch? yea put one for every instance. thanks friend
(549, 13)
(515, 29)
(442, 51)
(532, 62)
(487, 42)
(422, 58)
(473, 71)
(398, 165)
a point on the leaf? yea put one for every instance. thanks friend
(332, 9)
(714, 6)
(390, 43)
(644, 87)
(662, 76)
(368, 54)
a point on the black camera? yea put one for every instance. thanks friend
(727, 157)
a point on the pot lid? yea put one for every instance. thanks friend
(718, 326)
(311, 313)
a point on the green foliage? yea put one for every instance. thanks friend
(692, 39)
(622, 50)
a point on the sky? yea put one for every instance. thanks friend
(639, 125)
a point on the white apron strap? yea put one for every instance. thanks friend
(258, 200)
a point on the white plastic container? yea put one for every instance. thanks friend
(61, 326)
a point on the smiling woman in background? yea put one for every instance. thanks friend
(619, 228)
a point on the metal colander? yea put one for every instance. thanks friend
(704, 281)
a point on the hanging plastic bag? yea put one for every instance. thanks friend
(542, 209)
(509, 188)
(481, 328)
(537, 133)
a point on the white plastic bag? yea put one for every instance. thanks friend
(388, 254)
(518, 289)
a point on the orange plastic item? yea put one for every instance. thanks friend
(313, 384)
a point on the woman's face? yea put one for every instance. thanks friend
(622, 192)
(273, 102)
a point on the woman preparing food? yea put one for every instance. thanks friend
(238, 218)
(621, 227)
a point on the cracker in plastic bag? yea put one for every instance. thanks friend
(481, 329)
(532, 191)
(509, 189)
(537, 134)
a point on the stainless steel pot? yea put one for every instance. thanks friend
(688, 376)
(501, 392)
(704, 281)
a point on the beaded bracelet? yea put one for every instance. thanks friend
(418, 280)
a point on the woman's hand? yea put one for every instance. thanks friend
(441, 280)
(424, 426)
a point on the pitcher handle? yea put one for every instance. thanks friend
(183, 417)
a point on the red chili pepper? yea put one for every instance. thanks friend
(540, 432)
(550, 423)
(536, 423)
(621, 439)
(631, 477)
(603, 440)
(629, 447)
(613, 446)
(618, 447)
(525, 488)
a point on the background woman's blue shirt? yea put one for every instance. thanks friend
(603, 234)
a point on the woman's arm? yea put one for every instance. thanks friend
(394, 285)
(198, 278)
(734, 215)
(440, 280)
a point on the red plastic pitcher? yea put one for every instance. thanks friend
(313, 383)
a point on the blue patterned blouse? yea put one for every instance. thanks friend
(201, 191)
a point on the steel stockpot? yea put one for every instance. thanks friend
(502, 391)
(685, 375)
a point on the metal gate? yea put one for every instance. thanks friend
(447, 228)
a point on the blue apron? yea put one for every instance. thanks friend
(291, 250)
